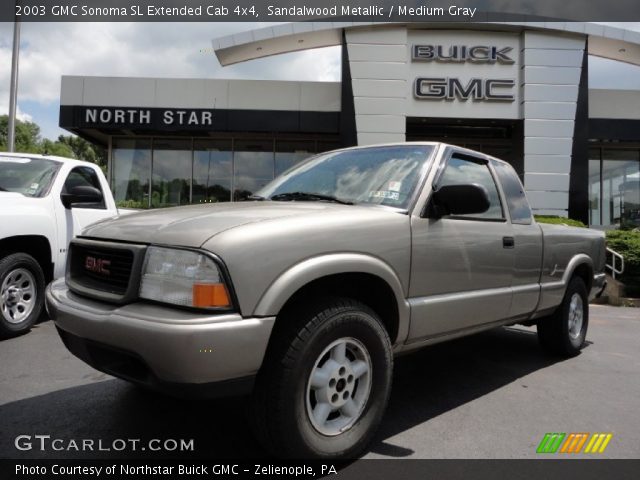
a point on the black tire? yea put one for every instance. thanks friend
(281, 397)
(9, 265)
(555, 333)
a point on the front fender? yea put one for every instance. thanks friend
(296, 277)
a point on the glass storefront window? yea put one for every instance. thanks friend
(131, 171)
(182, 171)
(290, 153)
(171, 176)
(253, 166)
(164, 172)
(594, 187)
(614, 187)
(212, 171)
(620, 182)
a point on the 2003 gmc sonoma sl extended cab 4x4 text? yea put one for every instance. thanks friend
(304, 295)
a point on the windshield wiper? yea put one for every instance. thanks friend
(256, 197)
(308, 196)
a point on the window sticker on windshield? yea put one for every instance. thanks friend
(395, 186)
(33, 188)
(384, 194)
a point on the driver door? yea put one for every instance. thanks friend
(461, 266)
(84, 215)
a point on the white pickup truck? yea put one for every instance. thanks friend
(37, 224)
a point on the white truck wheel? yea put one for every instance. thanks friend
(21, 294)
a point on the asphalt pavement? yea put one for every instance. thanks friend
(492, 395)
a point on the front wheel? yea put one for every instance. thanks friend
(564, 332)
(21, 294)
(325, 383)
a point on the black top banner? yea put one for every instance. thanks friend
(317, 10)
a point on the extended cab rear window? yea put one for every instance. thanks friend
(514, 191)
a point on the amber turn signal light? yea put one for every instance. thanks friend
(207, 295)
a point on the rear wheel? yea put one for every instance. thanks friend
(326, 382)
(564, 332)
(21, 294)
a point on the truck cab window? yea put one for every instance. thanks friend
(514, 193)
(463, 171)
(83, 177)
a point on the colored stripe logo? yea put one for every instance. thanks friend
(574, 443)
(598, 443)
(550, 442)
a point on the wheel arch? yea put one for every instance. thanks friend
(361, 277)
(37, 246)
(581, 266)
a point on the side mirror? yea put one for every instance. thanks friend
(81, 194)
(464, 199)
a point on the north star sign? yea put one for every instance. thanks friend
(451, 88)
(149, 117)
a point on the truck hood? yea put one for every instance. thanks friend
(12, 200)
(192, 226)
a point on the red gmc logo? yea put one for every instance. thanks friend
(97, 265)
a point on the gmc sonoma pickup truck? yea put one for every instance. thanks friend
(304, 295)
(36, 225)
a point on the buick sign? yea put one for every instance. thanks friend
(462, 53)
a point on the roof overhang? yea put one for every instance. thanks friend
(604, 41)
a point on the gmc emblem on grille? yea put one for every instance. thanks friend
(97, 265)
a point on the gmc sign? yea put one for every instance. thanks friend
(426, 88)
(97, 265)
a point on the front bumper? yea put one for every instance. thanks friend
(183, 352)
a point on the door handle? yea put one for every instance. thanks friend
(508, 242)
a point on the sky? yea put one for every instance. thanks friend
(173, 50)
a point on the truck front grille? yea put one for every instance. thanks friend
(104, 270)
(101, 268)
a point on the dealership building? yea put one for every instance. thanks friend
(518, 91)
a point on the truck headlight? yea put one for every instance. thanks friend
(182, 277)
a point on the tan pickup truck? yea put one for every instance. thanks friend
(303, 295)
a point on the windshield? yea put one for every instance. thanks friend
(378, 175)
(31, 177)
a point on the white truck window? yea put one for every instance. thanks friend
(83, 177)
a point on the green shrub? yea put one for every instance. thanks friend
(627, 243)
(555, 220)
